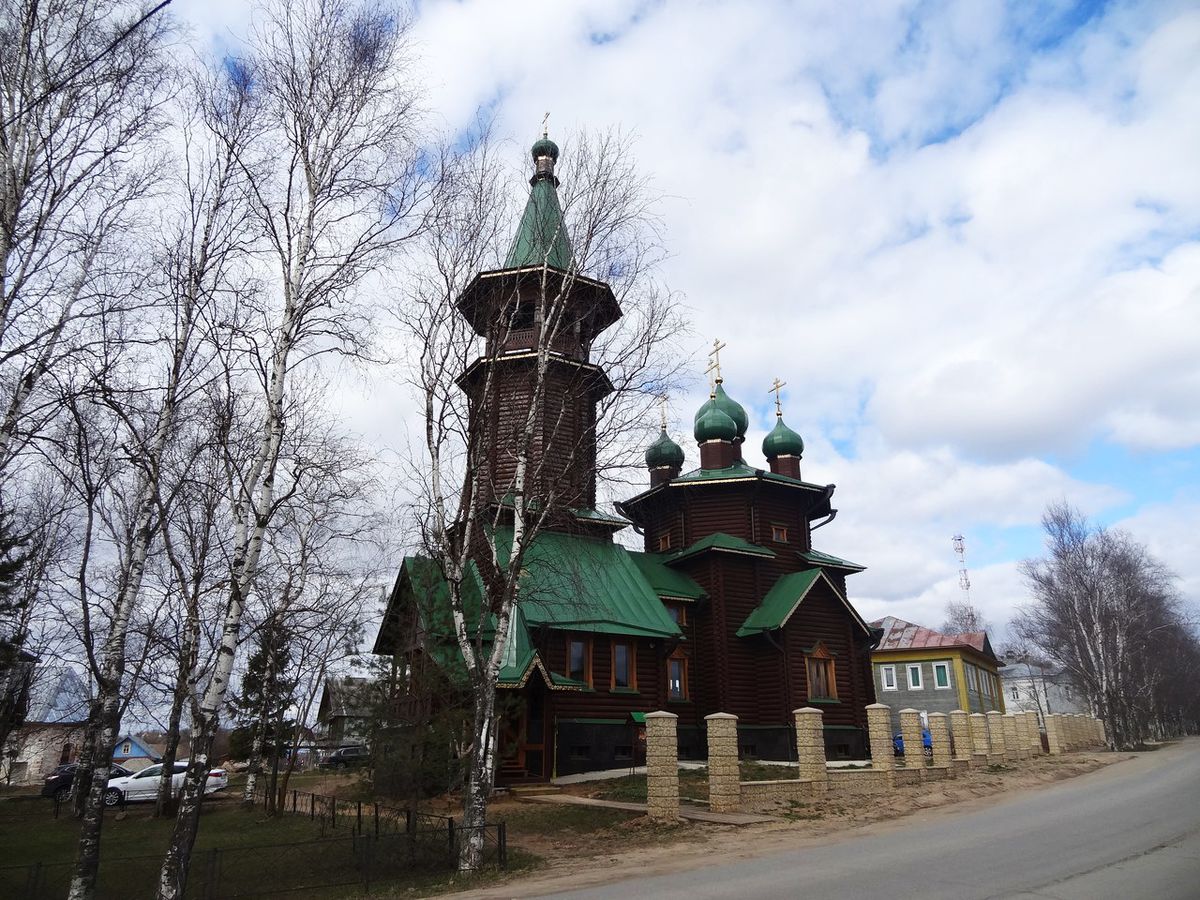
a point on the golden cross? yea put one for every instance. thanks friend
(662, 410)
(775, 389)
(545, 127)
(715, 365)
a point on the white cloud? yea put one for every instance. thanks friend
(949, 314)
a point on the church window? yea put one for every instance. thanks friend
(887, 677)
(677, 676)
(624, 666)
(664, 543)
(941, 676)
(677, 612)
(818, 667)
(779, 534)
(579, 660)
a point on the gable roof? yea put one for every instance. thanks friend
(726, 543)
(665, 581)
(785, 597)
(901, 635)
(57, 696)
(586, 584)
(817, 558)
(141, 748)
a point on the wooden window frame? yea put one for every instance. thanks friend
(587, 658)
(664, 542)
(680, 657)
(612, 672)
(945, 667)
(776, 531)
(821, 655)
(680, 610)
(883, 679)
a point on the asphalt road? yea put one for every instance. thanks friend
(1130, 830)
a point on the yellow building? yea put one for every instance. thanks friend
(919, 668)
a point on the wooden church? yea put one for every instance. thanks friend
(728, 608)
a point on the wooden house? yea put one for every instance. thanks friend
(728, 608)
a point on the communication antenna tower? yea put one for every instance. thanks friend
(964, 581)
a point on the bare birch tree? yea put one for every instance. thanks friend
(76, 126)
(334, 185)
(610, 235)
(1106, 611)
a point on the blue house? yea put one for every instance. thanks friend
(134, 753)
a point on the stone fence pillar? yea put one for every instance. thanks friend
(979, 739)
(879, 730)
(1012, 749)
(1054, 739)
(960, 727)
(810, 746)
(1022, 725)
(939, 734)
(996, 744)
(910, 731)
(662, 766)
(1035, 732)
(724, 780)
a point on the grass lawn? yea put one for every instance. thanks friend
(312, 853)
(693, 783)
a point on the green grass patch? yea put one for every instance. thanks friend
(300, 852)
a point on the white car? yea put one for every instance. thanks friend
(144, 785)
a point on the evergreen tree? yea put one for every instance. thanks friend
(16, 665)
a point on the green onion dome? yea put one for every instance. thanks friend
(782, 441)
(730, 407)
(545, 147)
(714, 425)
(664, 453)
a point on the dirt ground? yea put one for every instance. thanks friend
(630, 845)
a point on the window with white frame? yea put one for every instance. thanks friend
(914, 677)
(1016, 692)
(941, 676)
(887, 677)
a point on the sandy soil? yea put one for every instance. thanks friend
(645, 849)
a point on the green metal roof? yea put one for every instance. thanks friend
(724, 542)
(739, 471)
(665, 581)
(587, 514)
(817, 558)
(433, 608)
(785, 597)
(583, 584)
(542, 235)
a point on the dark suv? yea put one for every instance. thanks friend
(58, 783)
(345, 757)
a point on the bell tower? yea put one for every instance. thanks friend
(538, 317)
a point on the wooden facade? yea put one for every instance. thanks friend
(727, 610)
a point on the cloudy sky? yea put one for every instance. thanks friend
(967, 235)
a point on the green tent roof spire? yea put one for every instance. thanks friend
(542, 235)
